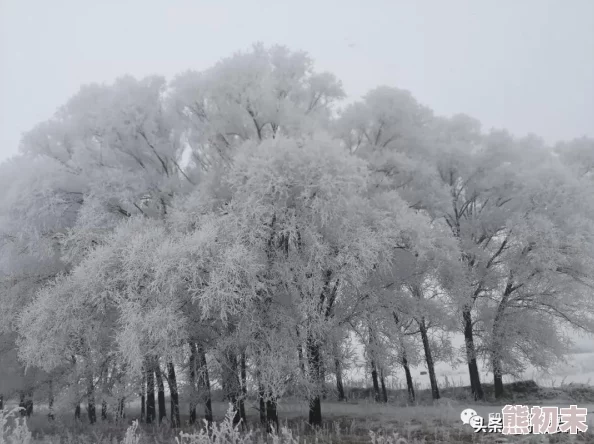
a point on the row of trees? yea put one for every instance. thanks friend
(232, 228)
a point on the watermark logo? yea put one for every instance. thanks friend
(521, 420)
(467, 414)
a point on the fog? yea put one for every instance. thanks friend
(525, 66)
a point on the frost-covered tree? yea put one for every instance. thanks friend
(305, 237)
(545, 272)
(38, 205)
(251, 95)
(578, 154)
(118, 157)
(211, 226)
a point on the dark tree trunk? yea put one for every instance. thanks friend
(103, 410)
(143, 397)
(243, 397)
(22, 404)
(383, 384)
(91, 412)
(29, 404)
(339, 385)
(160, 392)
(261, 403)
(204, 384)
(300, 355)
(143, 408)
(1, 402)
(233, 388)
(107, 385)
(409, 381)
(497, 343)
(429, 359)
(497, 378)
(315, 403)
(323, 379)
(193, 391)
(175, 419)
(375, 381)
(315, 411)
(261, 395)
(150, 393)
(373, 365)
(232, 398)
(77, 407)
(26, 404)
(226, 385)
(475, 380)
(271, 414)
(496, 359)
(50, 400)
(121, 413)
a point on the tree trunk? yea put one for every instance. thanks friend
(300, 352)
(143, 397)
(50, 406)
(497, 340)
(243, 381)
(301, 360)
(175, 419)
(29, 403)
(261, 394)
(271, 414)
(204, 384)
(193, 391)
(26, 404)
(77, 407)
(261, 403)
(339, 385)
(1, 402)
(323, 378)
(429, 359)
(497, 378)
(475, 380)
(160, 392)
(375, 381)
(232, 397)
(373, 365)
(121, 414)
(496, 361)
(50, 400)
(233, 388)
(150, 393)
(91, 399)
(315, 403)
(103, 410)
(409, 381)
(383, 384)
(22, 404)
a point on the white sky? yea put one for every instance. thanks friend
(526, 65)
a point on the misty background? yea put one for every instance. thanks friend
(525, 66)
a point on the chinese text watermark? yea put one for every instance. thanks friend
(521, 420)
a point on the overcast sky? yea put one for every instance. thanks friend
(526, 65)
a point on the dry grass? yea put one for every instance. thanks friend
(357, 421)
(347, 423)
